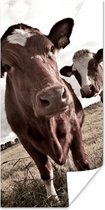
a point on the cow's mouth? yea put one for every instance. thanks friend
(57, 112)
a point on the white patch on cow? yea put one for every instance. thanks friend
(99, 92)
(49, 185)
(39, 57)
(85, 80)
(102, 65)
(19, 36)
(81, 65)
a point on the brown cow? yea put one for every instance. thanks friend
(87, 69)
(41, 108)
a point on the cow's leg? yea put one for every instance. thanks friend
(44, 167)
(51, 193)
(78, 152)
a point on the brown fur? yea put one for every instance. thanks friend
(41, 108)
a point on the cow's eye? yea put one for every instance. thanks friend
(6, 68)
(52, 50)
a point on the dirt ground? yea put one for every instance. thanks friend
(21, 185)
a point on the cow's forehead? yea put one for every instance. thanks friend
(81, 59)
(20, 36)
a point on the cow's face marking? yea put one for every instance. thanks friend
(80, 63)
(19, 36)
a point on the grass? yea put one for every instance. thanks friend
(93, 134)
(21, 185)
(25, 188)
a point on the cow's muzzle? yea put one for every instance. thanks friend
(51, 101)
(88, 91)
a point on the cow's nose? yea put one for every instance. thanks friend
(51, 100)
(53, 95)
(88, 91)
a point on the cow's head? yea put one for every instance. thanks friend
(87, 69)
(28, 57)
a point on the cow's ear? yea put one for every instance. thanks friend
(99, 56)
(5, 55)
(2, 71)
(60, 33)
(4, 68)
(5, 63)
(66, 71)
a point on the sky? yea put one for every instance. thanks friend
(43, 14)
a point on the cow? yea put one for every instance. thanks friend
(88, 71)
(41, 107)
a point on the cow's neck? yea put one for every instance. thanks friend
(52, 135)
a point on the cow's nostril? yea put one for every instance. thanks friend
(44, 102)
(63, 93)
(91, 87)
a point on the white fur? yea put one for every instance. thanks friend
(51, 193)
(81, 65)
(19, 36)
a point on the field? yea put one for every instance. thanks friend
(21, 185)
